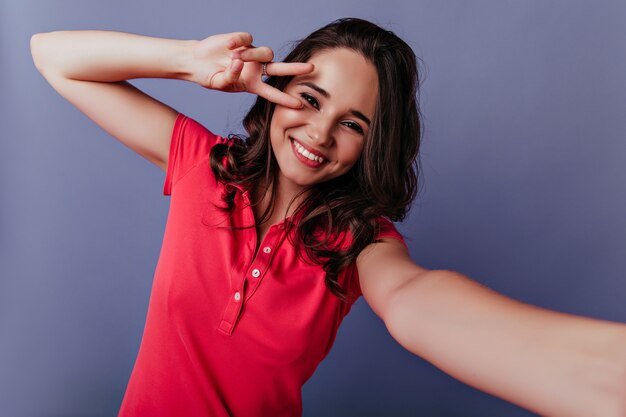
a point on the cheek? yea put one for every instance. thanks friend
(352, 152)
(282, 119)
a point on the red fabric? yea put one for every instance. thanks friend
(207, 351)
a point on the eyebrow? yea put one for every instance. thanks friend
(327, 95)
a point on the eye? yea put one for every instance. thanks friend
(310, 99)
(354, 126)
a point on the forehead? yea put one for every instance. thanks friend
(349, 78)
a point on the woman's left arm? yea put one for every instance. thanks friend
(548, 362)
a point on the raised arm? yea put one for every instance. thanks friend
(90, 68)
(551, 363)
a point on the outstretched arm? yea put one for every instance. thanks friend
(551, 363)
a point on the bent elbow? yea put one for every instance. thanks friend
(35, 50)
(42, 49)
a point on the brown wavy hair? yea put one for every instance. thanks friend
(383, 182)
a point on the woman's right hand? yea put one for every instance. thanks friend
(229, 62)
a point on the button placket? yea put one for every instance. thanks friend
(231, 314)
(249, 281)
(261, 263)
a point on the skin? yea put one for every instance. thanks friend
(552, 363)
(326, 125)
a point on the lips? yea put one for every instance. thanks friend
(307, 155)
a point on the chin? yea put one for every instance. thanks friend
(299, 180)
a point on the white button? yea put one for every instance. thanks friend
(256, 273)
(237, 296)
(267, 249)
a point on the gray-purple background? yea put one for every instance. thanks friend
(524, 160)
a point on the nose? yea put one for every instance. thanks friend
(320, 131)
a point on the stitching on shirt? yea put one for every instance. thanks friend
(219, 140)
(187, 172)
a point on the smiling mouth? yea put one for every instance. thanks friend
(307, 156)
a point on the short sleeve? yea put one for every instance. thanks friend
(388, 230)
(190, 144)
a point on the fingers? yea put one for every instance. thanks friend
(259, 54)
(228, 77)
(276, 96)
(289, 68)
(283, 68)
(232, 73)
(239, 39)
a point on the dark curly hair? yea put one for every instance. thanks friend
(382, 183)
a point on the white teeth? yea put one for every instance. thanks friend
(308, 154)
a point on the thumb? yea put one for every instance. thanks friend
(232, 73)
(222, 80)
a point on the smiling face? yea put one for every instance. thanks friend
(325, 138)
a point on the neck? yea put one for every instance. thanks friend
(283, 197)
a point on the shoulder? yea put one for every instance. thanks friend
(384, 266)
(386, 229)
(191, 144)
(189, 129)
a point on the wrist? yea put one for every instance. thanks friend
(183, 63)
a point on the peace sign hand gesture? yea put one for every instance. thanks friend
(229, 62)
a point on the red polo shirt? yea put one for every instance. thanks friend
(226, 333)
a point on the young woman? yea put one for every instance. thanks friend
(271, 238)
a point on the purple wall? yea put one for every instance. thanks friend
(523, 155)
